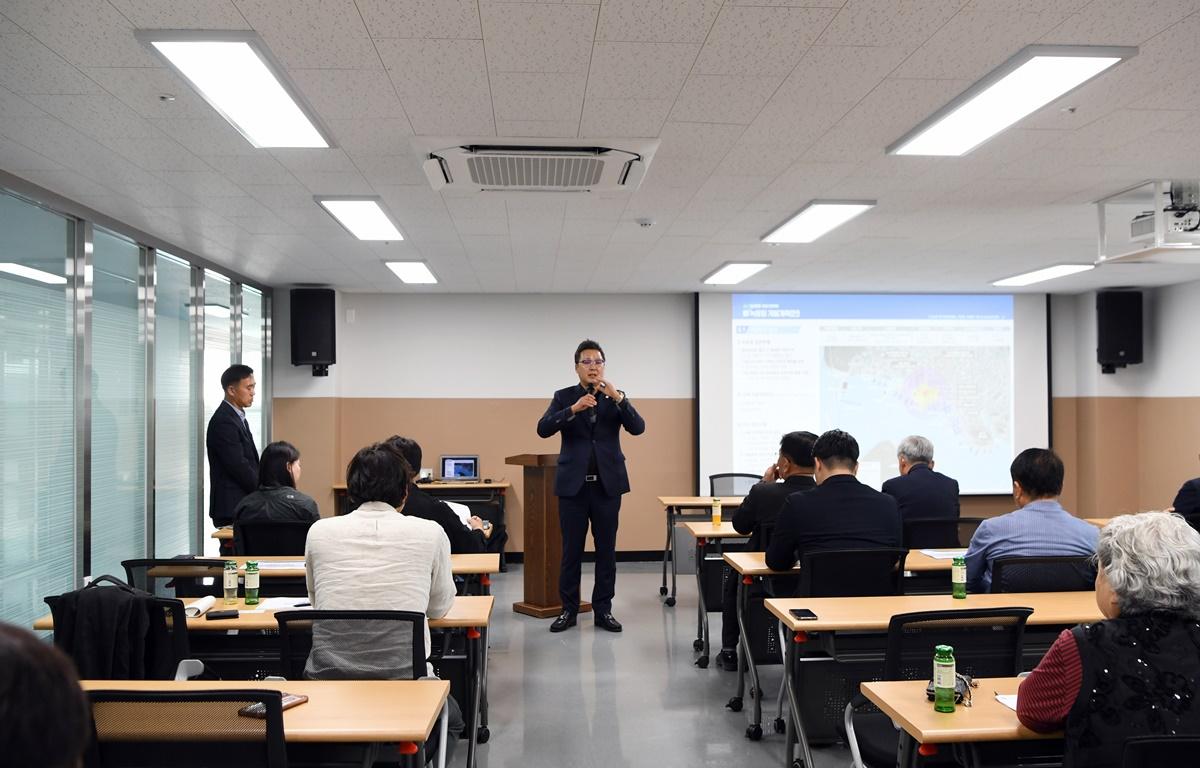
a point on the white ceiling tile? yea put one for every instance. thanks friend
(696, 141)
(723, 98)
(390, 170)
(382, 136)
(12, 105)
(140, 87)
(888, 22)
(87, 33)
(975, 42)
(411, 199)
(16, 158)
(206, 136)
(349, 93)
(443, 115)
(1025, 6)
(434, 19)
(335, 182)
(443, 84)
(527, 37)
(280, 196)
(639, 70)
(66, 183)
(759, 159)
(621, 118)
(564, 129)
(27, 66)
(1120, 22)
(201, 183)
(606, 207)
(236, 207)
(260, 168)
(333, 159)
(657, 21)
(312, 34)
(7, 27)
(761, 41)
(172, 14)
(96, 115)
(155, 154)
(538, 95)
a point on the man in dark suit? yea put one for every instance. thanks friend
(232, 456)
(791, 473)
(919, 491)
(591, 479)
(1187, 501)
(468, 539)
(840, 513)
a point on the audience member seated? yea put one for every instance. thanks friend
(464, 539)
(45, 715)
(840, 513)
(791, 473)
(276, 497)
(376, 558)
(1040, 528)
(1187, 501)
(1136, 672)
(919, 491)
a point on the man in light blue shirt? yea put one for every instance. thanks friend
(1040, 528)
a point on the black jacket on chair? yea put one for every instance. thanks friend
(232, 463)
(762, 504)
(923, 493)
(840, 513)
(581, 434)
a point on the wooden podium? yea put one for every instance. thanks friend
(543, 540)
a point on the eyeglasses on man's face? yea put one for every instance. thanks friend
(590, 361)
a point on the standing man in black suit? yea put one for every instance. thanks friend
(791, 473)
(591, 478)
(840, 513)
(232, 456)
(919, 491)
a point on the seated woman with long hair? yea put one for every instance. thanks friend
(276, 498)
(1136, 673)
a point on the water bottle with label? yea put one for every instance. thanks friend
(251, 582)
(716, 511)
(943, 679)
(958, 577)
(231, 582)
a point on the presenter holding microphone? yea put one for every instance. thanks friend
(591, 478)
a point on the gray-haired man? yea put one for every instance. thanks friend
(919, 491)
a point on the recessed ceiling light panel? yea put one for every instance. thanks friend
(413, 272)
(362, 217)
(233, 72)
(1030, 80)
(816, 219)
(1042, 275)
(734, 272)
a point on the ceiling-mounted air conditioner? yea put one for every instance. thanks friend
(508, 167)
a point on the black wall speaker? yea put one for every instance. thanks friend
(314, 339)
(1118, 329)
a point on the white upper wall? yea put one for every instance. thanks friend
(1172, 364)
(503, 346)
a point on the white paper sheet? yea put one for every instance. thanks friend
(200, 607)
(943, 554)
(280, 565)
(1008, 699)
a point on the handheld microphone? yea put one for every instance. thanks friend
(592, 411)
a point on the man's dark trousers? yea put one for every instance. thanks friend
(592, 505)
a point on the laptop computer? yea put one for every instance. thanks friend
(460, 469)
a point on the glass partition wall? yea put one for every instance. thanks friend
(111, 353)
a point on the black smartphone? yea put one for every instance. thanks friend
(218, 615)
(802, 614)
(259, 711)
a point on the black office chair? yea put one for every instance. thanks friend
(852, 573)
(731, 484)
(351, 645)
(1159, 751)
(146, 729)
(1043, 574)
(176, 577)
(988, 642)
(271, 537)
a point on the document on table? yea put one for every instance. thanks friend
(283, 603)
(280, 565)
(943, 554)
(1008, 699)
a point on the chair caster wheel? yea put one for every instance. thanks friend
(670, 602)
(753, 692)
(697, 645)
(754, 732)
(483, 735)
(702, 662)
(797, 764)
(780, 725)
(734, 704)
(662, 590)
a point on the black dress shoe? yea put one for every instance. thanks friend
(727, 660)
(565, 619)
(606, 621)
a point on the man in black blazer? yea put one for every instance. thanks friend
(919, 491)
(791, 473)
(468, 539)
(591, 479)
(232, 456)
(840, 513)
(1187, 501)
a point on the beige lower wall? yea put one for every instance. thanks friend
(1121, 454)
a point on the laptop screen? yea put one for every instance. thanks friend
(460, 467)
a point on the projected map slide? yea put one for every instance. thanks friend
(880, 367)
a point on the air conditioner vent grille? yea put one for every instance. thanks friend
(545, 172)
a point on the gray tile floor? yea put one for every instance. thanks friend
(587, 698)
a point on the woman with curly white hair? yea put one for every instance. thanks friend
(1137, 672)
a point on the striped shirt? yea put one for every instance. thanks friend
(1041, 528)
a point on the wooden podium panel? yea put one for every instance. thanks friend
(543, 541)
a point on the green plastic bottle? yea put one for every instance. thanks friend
(943, 679)
(958, 577)
(251, 582)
